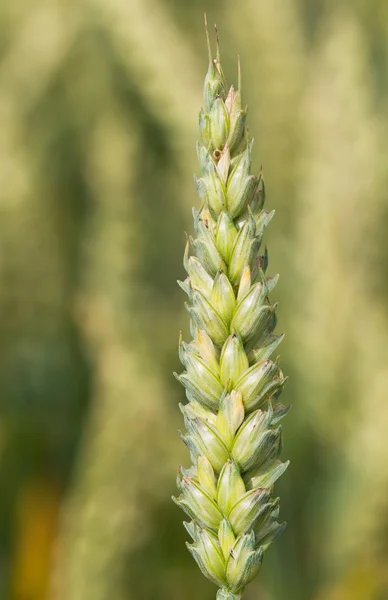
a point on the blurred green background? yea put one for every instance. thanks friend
(98, 120)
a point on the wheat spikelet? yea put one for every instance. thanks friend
(231, 384)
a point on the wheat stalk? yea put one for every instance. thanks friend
(231, 422)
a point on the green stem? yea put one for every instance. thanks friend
(224, 594)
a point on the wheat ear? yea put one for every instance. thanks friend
(231, 416)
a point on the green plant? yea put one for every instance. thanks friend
(231, 419)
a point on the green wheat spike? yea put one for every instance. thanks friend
(231, 417)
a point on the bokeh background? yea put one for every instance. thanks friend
(98, 123)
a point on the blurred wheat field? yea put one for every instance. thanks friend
(98, 115)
